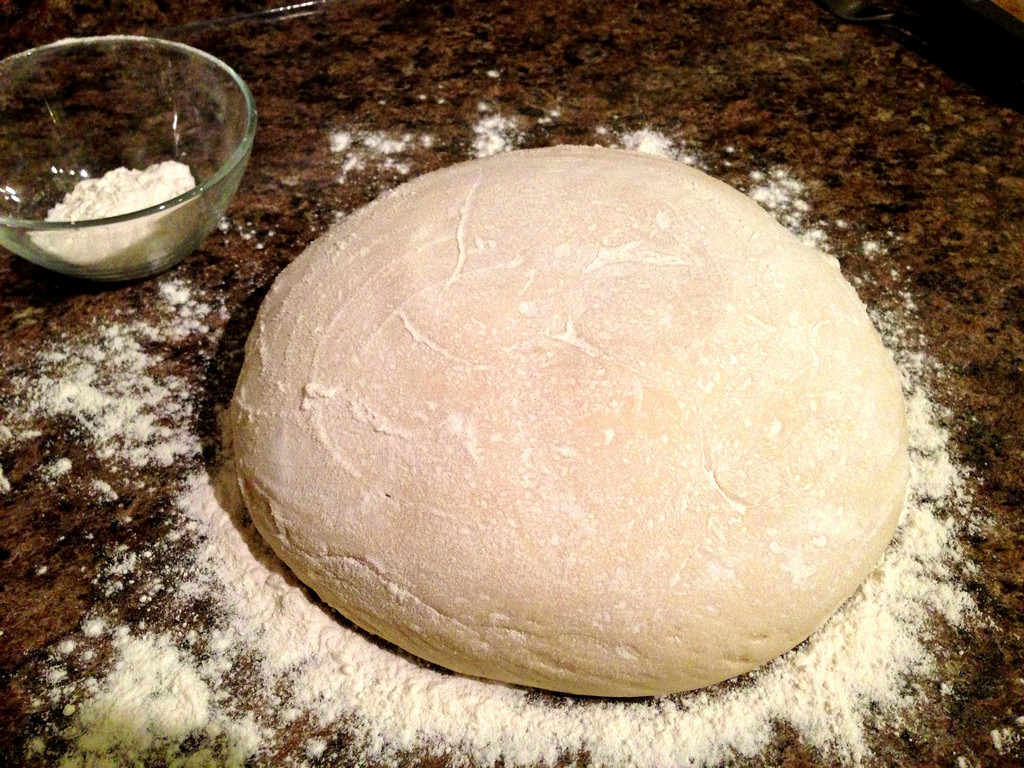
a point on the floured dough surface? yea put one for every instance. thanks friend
(573, 418)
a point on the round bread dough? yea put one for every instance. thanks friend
(573, 418)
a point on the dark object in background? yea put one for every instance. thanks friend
(977, 41)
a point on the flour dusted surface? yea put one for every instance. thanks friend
(309, 678)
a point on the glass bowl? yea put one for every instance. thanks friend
(92, 108)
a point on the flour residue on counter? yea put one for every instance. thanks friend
(494, 133)
(264, 666)
(107, 383)
(378, 150)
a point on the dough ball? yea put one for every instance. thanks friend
(572, 418)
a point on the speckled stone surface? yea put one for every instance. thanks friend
(883, 139)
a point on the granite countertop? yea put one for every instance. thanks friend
(912, 177)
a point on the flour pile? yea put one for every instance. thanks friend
(120, 191)
(123, 190)
(274, 665)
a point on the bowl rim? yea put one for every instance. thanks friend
(238, 156)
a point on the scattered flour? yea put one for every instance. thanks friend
(248, 232)
(159, 701)
(494, 133)
(108, 386)
(550, 117)
(654, 143)
(56, 469)
(381, 151)
(104, 490)
(783, 196)
(267, 675)
(93, 627)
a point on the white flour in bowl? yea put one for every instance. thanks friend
(117, 192)
(276, 678)
(123, 190)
